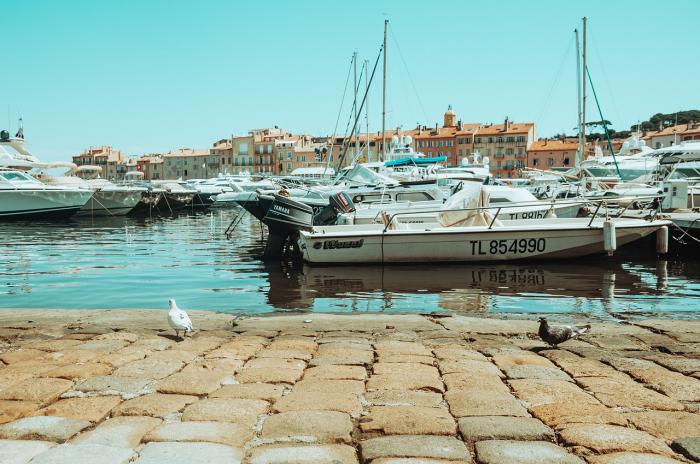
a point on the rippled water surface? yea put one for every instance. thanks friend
(140, 263)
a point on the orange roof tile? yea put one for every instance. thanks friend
(513, 128)
(554, 145)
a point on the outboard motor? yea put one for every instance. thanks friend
(338, 203)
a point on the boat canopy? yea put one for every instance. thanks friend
(414, 161)
(680, 157)
(462, 208)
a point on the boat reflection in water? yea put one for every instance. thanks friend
(468, 289)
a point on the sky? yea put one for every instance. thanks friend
(153, 75)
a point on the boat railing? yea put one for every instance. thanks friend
(601, 204)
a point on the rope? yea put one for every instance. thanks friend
(410, 79)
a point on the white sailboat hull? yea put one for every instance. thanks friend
(111, 202)
(515, 240)
(21, 203)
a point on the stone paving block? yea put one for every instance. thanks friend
(172, 355)
(21, 451)
(124, 356)
(293, 343)
(226, 367)
(521, 359)
(154, 404)
(400, 381)
(418, 461)
(318, 426)
(325, 401)
(303, 454)
(680, 364)
(333, 348)
(189, 453)
(38, 390)
(465, 381)
(114, 385)
(79, 371)
(611, 438)
(224, 409)
(125, 336)
(50, 428)
(465, 403)
(250, 391)
(199, 344)
(632, 458)
(577, 366)
(284, 354)
(149, 368)
(53, 345)
(475, 368)
(335, 372)
(408, 420)
(530, 371)
(107, 346)
(688, 447)
(458, 352)
(119, 432)
(405, 368)
(275, 363)
(345, 386)
(225, 433)
(242, 352)
(11, 410)
(92, 409)
(414, 446)
(403, 398)
(400, 347)
(557, 414)
(75, 454)
(188, 383)
(668, 425)
(407, 359)
(523, 452)
(11, 357)
(481, 428)
(536, 392)
(616, 342)
(347, 357)
(628, 394)
(269, 375)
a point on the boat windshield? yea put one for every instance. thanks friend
(360, 174)
(17, 178)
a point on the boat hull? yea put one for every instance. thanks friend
(50, 204)
(111, 203)
(467, 244)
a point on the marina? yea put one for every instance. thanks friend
(367, 233)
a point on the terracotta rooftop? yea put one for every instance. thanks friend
(554, 145)
(187, 152)
(513, 128)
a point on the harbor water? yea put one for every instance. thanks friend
(138, 263)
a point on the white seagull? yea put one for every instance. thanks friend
(178, 319)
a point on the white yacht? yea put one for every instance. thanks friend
(22, 196)
(109, 199)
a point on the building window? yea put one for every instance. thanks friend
(550, 161)
(289, 166)
(510, 139)
(566, 161)
(490, 139)
(658, 144)
(521, 138)
(269, 148)
(535, 162)
(243, 149)
(499, 139)
(509, 151)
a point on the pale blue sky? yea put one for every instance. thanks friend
(152, 75)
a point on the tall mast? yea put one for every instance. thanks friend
(357, 138)
(369, 149)
(581, 138)
(583, 86)
(386, 25)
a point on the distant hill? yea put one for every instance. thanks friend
(660, 120)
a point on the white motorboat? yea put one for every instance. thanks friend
(109, 199)
(508, 203)
(471, 234)
(22, 197)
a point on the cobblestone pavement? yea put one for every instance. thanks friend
(117, 387)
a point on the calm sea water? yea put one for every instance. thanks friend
(140, 263)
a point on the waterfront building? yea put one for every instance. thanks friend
(190, 163)
(151, 165)
(106, 157)
(666, 136)
(555, 153)
(506, 146)
(692, 132)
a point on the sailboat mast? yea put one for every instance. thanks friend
(581, 141)
(357, 138)
(386, 25)
(583, 86)
(369, 149)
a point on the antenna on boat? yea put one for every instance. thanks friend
(354, 105)
(581, 134)
(583, 83)
(386, 26)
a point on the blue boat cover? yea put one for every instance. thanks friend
(414, 161)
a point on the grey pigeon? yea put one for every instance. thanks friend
(556, 335)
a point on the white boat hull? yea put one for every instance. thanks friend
(111, 203)
(27, 203)
(537, 240)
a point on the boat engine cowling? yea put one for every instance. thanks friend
(338, 204)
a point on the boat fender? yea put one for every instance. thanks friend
(609, 236)
(662, 240)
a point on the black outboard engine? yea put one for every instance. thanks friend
(338, 203)
(4, 136)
